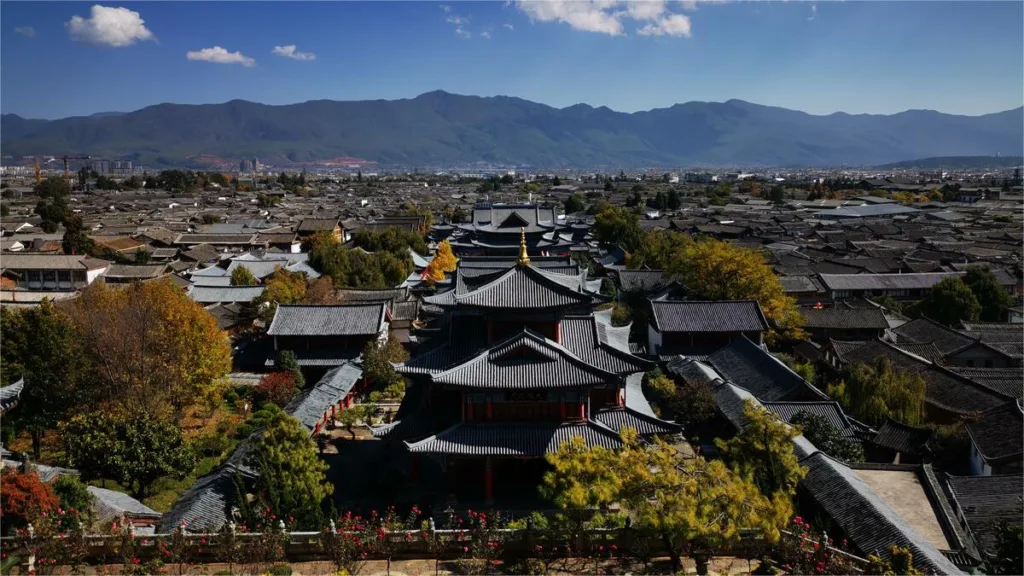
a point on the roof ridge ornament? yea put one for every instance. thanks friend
(524, 258)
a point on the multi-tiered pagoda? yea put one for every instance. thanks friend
(497, 228)
(521, 363)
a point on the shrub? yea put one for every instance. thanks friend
(277, 388)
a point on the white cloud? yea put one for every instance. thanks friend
(688, 4)
(671, 25)
(609, 16)
(446, 8)
(814, 12)
(109, 27)
(509, 26)
(219, 55)
(291, 51)
(460, 23)
(585, 15)
(485, 34)
(26, 31)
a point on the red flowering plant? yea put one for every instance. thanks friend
(385, 541)
(53, 540)
(177, 549)
(265, 544)
(345, 542)
(482, 543)
(804, 550)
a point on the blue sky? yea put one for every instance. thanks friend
(821, 57)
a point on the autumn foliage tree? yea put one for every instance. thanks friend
(692, 505)
(445, 257)
(151, 346)
(242, 276)
(24, 497)
(277, 388)
(721, 271)
(763, 451)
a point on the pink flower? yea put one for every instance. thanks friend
(465, 549)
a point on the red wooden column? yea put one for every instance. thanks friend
(488, 482)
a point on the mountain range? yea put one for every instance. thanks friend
(439, 129)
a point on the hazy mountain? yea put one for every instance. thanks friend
(960, 162)
(438, 128)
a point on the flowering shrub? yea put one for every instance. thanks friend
(481, 543)
(803, 551)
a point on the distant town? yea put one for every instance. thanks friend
(484, 370)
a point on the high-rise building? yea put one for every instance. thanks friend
(255, 164)
(245, 165)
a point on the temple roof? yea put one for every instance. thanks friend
(512, 219)
(513, 439)
(520, 287)
(600, 344)
(328, 320)
(525, 361)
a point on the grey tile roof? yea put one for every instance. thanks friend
(708, 316)
(133, 271)
(206, 505)
(45, 472)
(1006, 381)
(1006, 338)
(999, 433)
(318, 358)
(10, 394)
(109, 505)
(903, 438)
(388, 295)
(692, 371)
(215, 294)
(866, 520)
(50, 262)
(494, 439)
(510, 218)
(309, 225)
(984, 501)
(623, 417)
(316, 320)
(310, 405)
(845, 318)
(643, 280)
(599, 345)
(912, 281)
(791, 284)
(831, 411)
(923, 331)
(766, 377)
(524, 287)
(525, 361)
(263, 269)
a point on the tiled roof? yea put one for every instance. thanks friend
(923, 331)
(1006, 338)
(216, 239)
(766, 377)
(985, 501)
(791, 284)
(525, 287)
(108, 506)
(215, 294)
(9, 394)
(599, 345)
(643, 280)
(388, 295)
(903, 438)
(493, 439)
(524, 361)
(999, 433)
(845, 318)
(866, 520)
(133, 271)
(619, 418)
(913, 281)
(206, 506)
(708, 316)
(1006, 381)
(316, 225)
(510, 218)
(317, 320)
(829, 410)
(263, 269)
(310, 405)
(50, 262)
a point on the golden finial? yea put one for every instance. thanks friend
(524, 258)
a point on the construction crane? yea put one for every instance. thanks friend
(66, 158)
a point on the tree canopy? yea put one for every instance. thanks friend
(950, 302)
(618, 227)
(826, 438)
(690, 504)
(150, 346)
(242, 276)
(991, 296)
(292, 477)
(763, 451)
(133, 449)
(874, 393)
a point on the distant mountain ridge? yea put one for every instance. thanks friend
(959, 162)
(443, 129)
